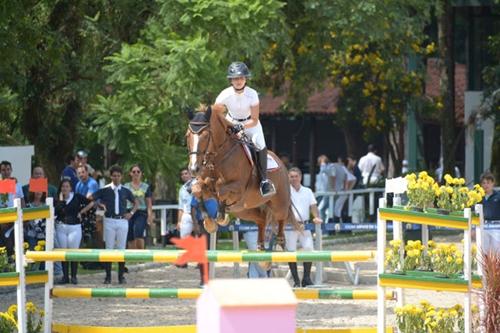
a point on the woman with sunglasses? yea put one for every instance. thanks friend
(137, 224)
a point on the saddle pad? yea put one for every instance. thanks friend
(272, 164)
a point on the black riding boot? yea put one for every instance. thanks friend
(295, 274)
(65, 269)
(107, 267)
(74, 271)
(121, 271)
(266, 186)
(306, 278)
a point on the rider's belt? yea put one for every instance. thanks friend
(243, 119)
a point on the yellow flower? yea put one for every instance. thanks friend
(12, 309)
(41, 243)
(449, 189)
(459, 261)
(423, 174)
(30, 307)
(9, 318)
(26, 246)
(3, 250)
(448, 179)
(345, 81)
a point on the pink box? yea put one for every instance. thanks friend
(246, 306)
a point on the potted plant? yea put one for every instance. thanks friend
(393, 257)
(447, 260)
(454, 196)
(421, 191)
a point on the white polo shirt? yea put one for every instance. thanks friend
(302, 199)
(238, 104)
(185, 199)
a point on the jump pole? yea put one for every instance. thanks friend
(193, 293)
(170, 256)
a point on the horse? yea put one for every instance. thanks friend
(222, 164)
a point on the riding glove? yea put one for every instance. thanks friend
(237, 128)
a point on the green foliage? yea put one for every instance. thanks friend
(51, 68)
(179, 61)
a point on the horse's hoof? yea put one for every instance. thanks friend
(223, 221)
(261, 247)
(210, 225)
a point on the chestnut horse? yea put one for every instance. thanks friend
(220, 162)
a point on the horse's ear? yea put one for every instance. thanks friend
(208, 113)
(189, 112)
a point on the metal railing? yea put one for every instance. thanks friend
(236, 227)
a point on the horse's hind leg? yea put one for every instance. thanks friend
(280, 237)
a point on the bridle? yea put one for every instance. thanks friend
(196, 128)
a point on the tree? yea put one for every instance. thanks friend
(348, 44)
(179, 61)
(52, 54)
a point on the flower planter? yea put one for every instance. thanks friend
(443, 211)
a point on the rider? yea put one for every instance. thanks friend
(242, 103)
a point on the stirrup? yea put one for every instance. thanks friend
(270, 191)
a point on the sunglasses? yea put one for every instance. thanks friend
(136, 171)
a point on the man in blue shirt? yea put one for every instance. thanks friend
(491, 209)
(114, 197)
(69, 171)
(86, 185)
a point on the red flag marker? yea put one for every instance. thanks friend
(196, 251)
(7, 186)
(39, 185)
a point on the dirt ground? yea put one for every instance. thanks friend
(154, 312)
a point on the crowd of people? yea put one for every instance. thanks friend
(115, 215)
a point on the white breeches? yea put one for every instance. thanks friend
(304, 237)
(68, 236)
(186, 226)
(256, 134)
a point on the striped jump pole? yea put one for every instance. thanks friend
(193, 293)
(170, 256)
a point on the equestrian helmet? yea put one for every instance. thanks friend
(237, 69)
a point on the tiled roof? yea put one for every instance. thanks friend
(325, 101)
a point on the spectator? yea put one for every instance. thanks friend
(184, 218)
(38, 172)
(305, 203)
(83, 160)
(8, 201)
(491, 209)
(255, 269)
(69, 171)
(325, 182)
(34, 231)
(439, 171)
(86, 184)
(353, 168)
(371, 166)
(114, 197)
(68, 210)
(199, 229)
(358, 205)
(144, 214)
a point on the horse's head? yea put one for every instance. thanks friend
(207, 132)
(198, 139)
